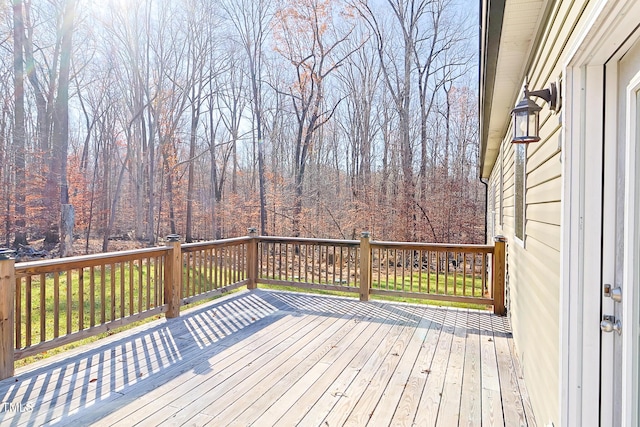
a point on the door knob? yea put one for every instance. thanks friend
(610, 324)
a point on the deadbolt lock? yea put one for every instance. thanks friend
(613, 293)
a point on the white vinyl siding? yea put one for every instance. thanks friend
(520, 190)
(531, 197)
(501, 177)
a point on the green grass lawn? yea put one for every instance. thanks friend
(451, 284)
(93, 296)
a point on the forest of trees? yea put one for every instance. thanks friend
(317, 118)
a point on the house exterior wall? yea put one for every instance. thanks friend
(534, 264)
(533, 269)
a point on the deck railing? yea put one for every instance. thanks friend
(49, 303)
(211, 268)
(471, 274)
(309, 263)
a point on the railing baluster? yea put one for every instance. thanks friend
(234, 263)
(122, 291)
(112, 274)
(131, 288)
(455, 274)
(203, 274)
(56, 304)
(205, 271)
(288, 249)
(18, 313)
(191, 271)
(266, 252)
(229, 265)
(156, 283)
(420, 255)
(148, 284)
(300, 262)
(395, 269)
(69, 302)
(436, 271)
(140, 286)
(259, 261)
(92, 297)
(29, 311)
(313, 264)
(333, 265)
(103, 303)
(484, 273)
(43, 308)
(446, 273)
(280, 261)
(220, 267)
(243, 262)
(160, 281)
(195, 271)
(464, 273)
(473, 273)
(80, 298)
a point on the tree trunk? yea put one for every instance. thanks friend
(19, 128)
(61, 128)
(195, 115)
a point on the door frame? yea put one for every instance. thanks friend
(631, 273)
(584, 350)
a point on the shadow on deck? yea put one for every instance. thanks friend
(280, 358)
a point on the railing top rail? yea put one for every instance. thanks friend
(335, 242)
(59, 264)
(221, 242)
(434, 246)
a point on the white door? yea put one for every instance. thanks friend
(621, 241)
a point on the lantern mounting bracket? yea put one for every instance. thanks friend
(550, 95)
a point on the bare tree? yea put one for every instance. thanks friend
(61, 128)
(251, 20)
(361, 78)
(397, 72)
(309, 41)
(201, 44)
(18, 126)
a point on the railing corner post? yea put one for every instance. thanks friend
(499, 273)
(252, 259)
(173, 276)
(7, 313)
(365, 266)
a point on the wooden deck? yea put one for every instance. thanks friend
(277, 358)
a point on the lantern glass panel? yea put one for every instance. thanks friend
(520, 128)
(532, 130)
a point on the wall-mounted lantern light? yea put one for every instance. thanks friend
(526, 119)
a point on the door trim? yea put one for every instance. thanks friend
(631, 259)
(606, 29)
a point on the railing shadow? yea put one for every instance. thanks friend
(65, 385)
(378, 311)
(119, 370)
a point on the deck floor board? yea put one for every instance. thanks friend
(283, 358)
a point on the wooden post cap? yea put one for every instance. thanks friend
(365, 234)
(500, 239)
(173, 238)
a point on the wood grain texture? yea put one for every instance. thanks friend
(471, 398)
(281, 358)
